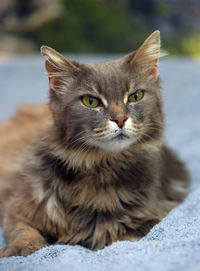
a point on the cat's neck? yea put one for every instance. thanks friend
(91, 157)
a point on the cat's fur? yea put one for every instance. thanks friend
(80, 181)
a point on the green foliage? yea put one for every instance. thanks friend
(161, 9)
(93, 26)
(114, 26)
(187, 44)
(191, 45)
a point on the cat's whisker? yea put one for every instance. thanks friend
(152, 127)
(81, 139)
(84, 145)
(146, 135)
(132, 130)
(152, 123)
(78, 134)
(98, 130)
(139, 140)
(78, 139)
(104, 135)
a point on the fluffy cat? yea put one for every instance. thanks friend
(96, 169)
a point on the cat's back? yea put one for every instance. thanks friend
(15, 134)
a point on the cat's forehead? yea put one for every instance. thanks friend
(109, 77)
(107, 68)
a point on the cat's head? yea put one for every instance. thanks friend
(110, 105)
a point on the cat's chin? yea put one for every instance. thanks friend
(115, 145)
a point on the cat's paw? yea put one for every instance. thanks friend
(17, 250)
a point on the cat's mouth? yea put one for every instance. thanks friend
(121, 136)
(115, 138)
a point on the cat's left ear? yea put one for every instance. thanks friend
(147, 56)
(58, 67)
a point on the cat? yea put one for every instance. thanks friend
(95, 169)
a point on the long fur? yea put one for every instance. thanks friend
(65, 174)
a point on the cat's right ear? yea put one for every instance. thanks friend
(59, 69)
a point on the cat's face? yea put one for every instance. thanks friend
(109, 105)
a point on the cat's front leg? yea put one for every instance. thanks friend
(19, 249)
(22, 238)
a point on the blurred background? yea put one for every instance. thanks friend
(98, 26)
(97, 30)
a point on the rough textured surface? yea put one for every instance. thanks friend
(173, 244)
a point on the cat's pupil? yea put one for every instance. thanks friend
(90, 100)
(136, 96)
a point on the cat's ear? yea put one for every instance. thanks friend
(58, 67)
(147, 56)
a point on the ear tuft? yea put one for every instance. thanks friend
(56, 58)
(149, 50)
(57, 66)
(148, 54)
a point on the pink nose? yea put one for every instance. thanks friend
(120, 121)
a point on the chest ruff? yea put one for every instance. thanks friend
(111, 202)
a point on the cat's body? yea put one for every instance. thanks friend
(95, 174)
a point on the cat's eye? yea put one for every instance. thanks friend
(136, 96)
(90, 101)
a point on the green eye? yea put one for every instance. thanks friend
(136, 96)
(90, 101)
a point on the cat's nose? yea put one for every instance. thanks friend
(120, 121)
